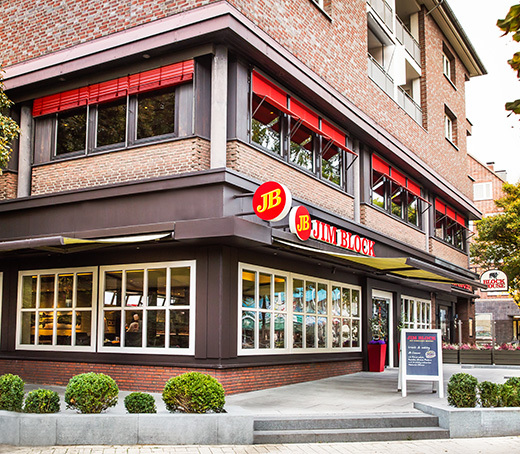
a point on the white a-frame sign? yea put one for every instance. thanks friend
(421, 358)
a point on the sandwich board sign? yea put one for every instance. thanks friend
(421, 358)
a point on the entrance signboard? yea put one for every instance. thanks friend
(421, 357)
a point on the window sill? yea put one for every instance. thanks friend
(321, 10)
(452, 144)
(450, 81)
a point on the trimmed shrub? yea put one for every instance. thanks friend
(11, 392)
(462, 390)
(42, 401)
(91, 393)
(140, 403)
(490, 394)
(193, 392)
(510, 392)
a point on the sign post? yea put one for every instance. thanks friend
(421, 358)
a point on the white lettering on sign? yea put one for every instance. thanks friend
(341, 238)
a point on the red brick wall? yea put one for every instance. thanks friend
(336, 50)
(135, 164)
(256, 164)
(153, 378)
(8, 185)
(451, 254)
(393, 228)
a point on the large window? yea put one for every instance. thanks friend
(320, 315)
(141, 308)
(56, 309)
(147, 308)
(416, 313)
(450, 226)
(284, 126)
(393, 192)
(112, 115)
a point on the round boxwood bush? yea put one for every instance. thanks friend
(91, 393)
(462, 390)
(42, 401)
(510, 392)
(11, 392)
(193, 392)
(140, 403)
(489, 394)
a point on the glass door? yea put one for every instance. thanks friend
(382, 307)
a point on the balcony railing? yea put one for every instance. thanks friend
(384, 11)
(377, 73)
(409, 105)
(408, 41)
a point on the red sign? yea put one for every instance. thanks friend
(272, 201)
(338, 237)
(300, 222)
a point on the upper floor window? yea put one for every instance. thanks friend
(286, 127)
(395, 193)
(450, 126)
(448, 64)
(450, 226)
(483, 191)
(112, 114)
(319, 3)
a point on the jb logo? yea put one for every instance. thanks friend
(269, 200)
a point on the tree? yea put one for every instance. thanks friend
(511, 24)
(498, 242)
(9, 130)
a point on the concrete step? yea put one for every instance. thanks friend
(348, 435)
(347, 422)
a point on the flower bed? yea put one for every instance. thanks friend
(504, 354)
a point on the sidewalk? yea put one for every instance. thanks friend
(506, 445)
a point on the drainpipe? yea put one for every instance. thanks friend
(219, 89)
(24, 152)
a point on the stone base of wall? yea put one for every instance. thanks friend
(153, 378)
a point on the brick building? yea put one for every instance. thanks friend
(128, 242)
(495, 311)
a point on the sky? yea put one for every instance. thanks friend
(495, 136)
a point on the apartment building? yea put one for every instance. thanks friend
(129, 241)
(497, 316)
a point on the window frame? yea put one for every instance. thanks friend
(414, 303)
(450, 232)
(290, 313)
(448, 128)
(20, 310)
(167, 308)
(483, 191)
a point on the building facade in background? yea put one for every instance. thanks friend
(496, 313)
(129, 244)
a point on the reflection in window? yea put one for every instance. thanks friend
(72, 131)
(265, 125)
(156, 314)
(397, 201)
(301, 150)
(155, 113)
(111, 123)
(60, 314)
(331, 163)
(379, 189)
(412, 203)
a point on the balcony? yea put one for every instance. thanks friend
(408, 41)
(383, 11)
(409, 105)
(377, 73)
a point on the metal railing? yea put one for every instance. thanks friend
(409, 105)
(384, 12)
(408, 41)
(377, 73)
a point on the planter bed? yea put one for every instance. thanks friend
(507, 357)
(475, 357)
(450, 356)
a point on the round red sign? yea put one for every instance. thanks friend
(300, 222)
(272, 201)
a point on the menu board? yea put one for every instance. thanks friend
(421, 357)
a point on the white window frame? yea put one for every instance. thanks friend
(19, 311)
(448, 127)
(166, 350)
(319, 3)
(289, 314)
(446, 66)
(421, 310)
(483, 191)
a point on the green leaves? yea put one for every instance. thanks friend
(42, 401)
(11, 392)
(91, 393)
(498, 242)
(511, 24)
(9, 130)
